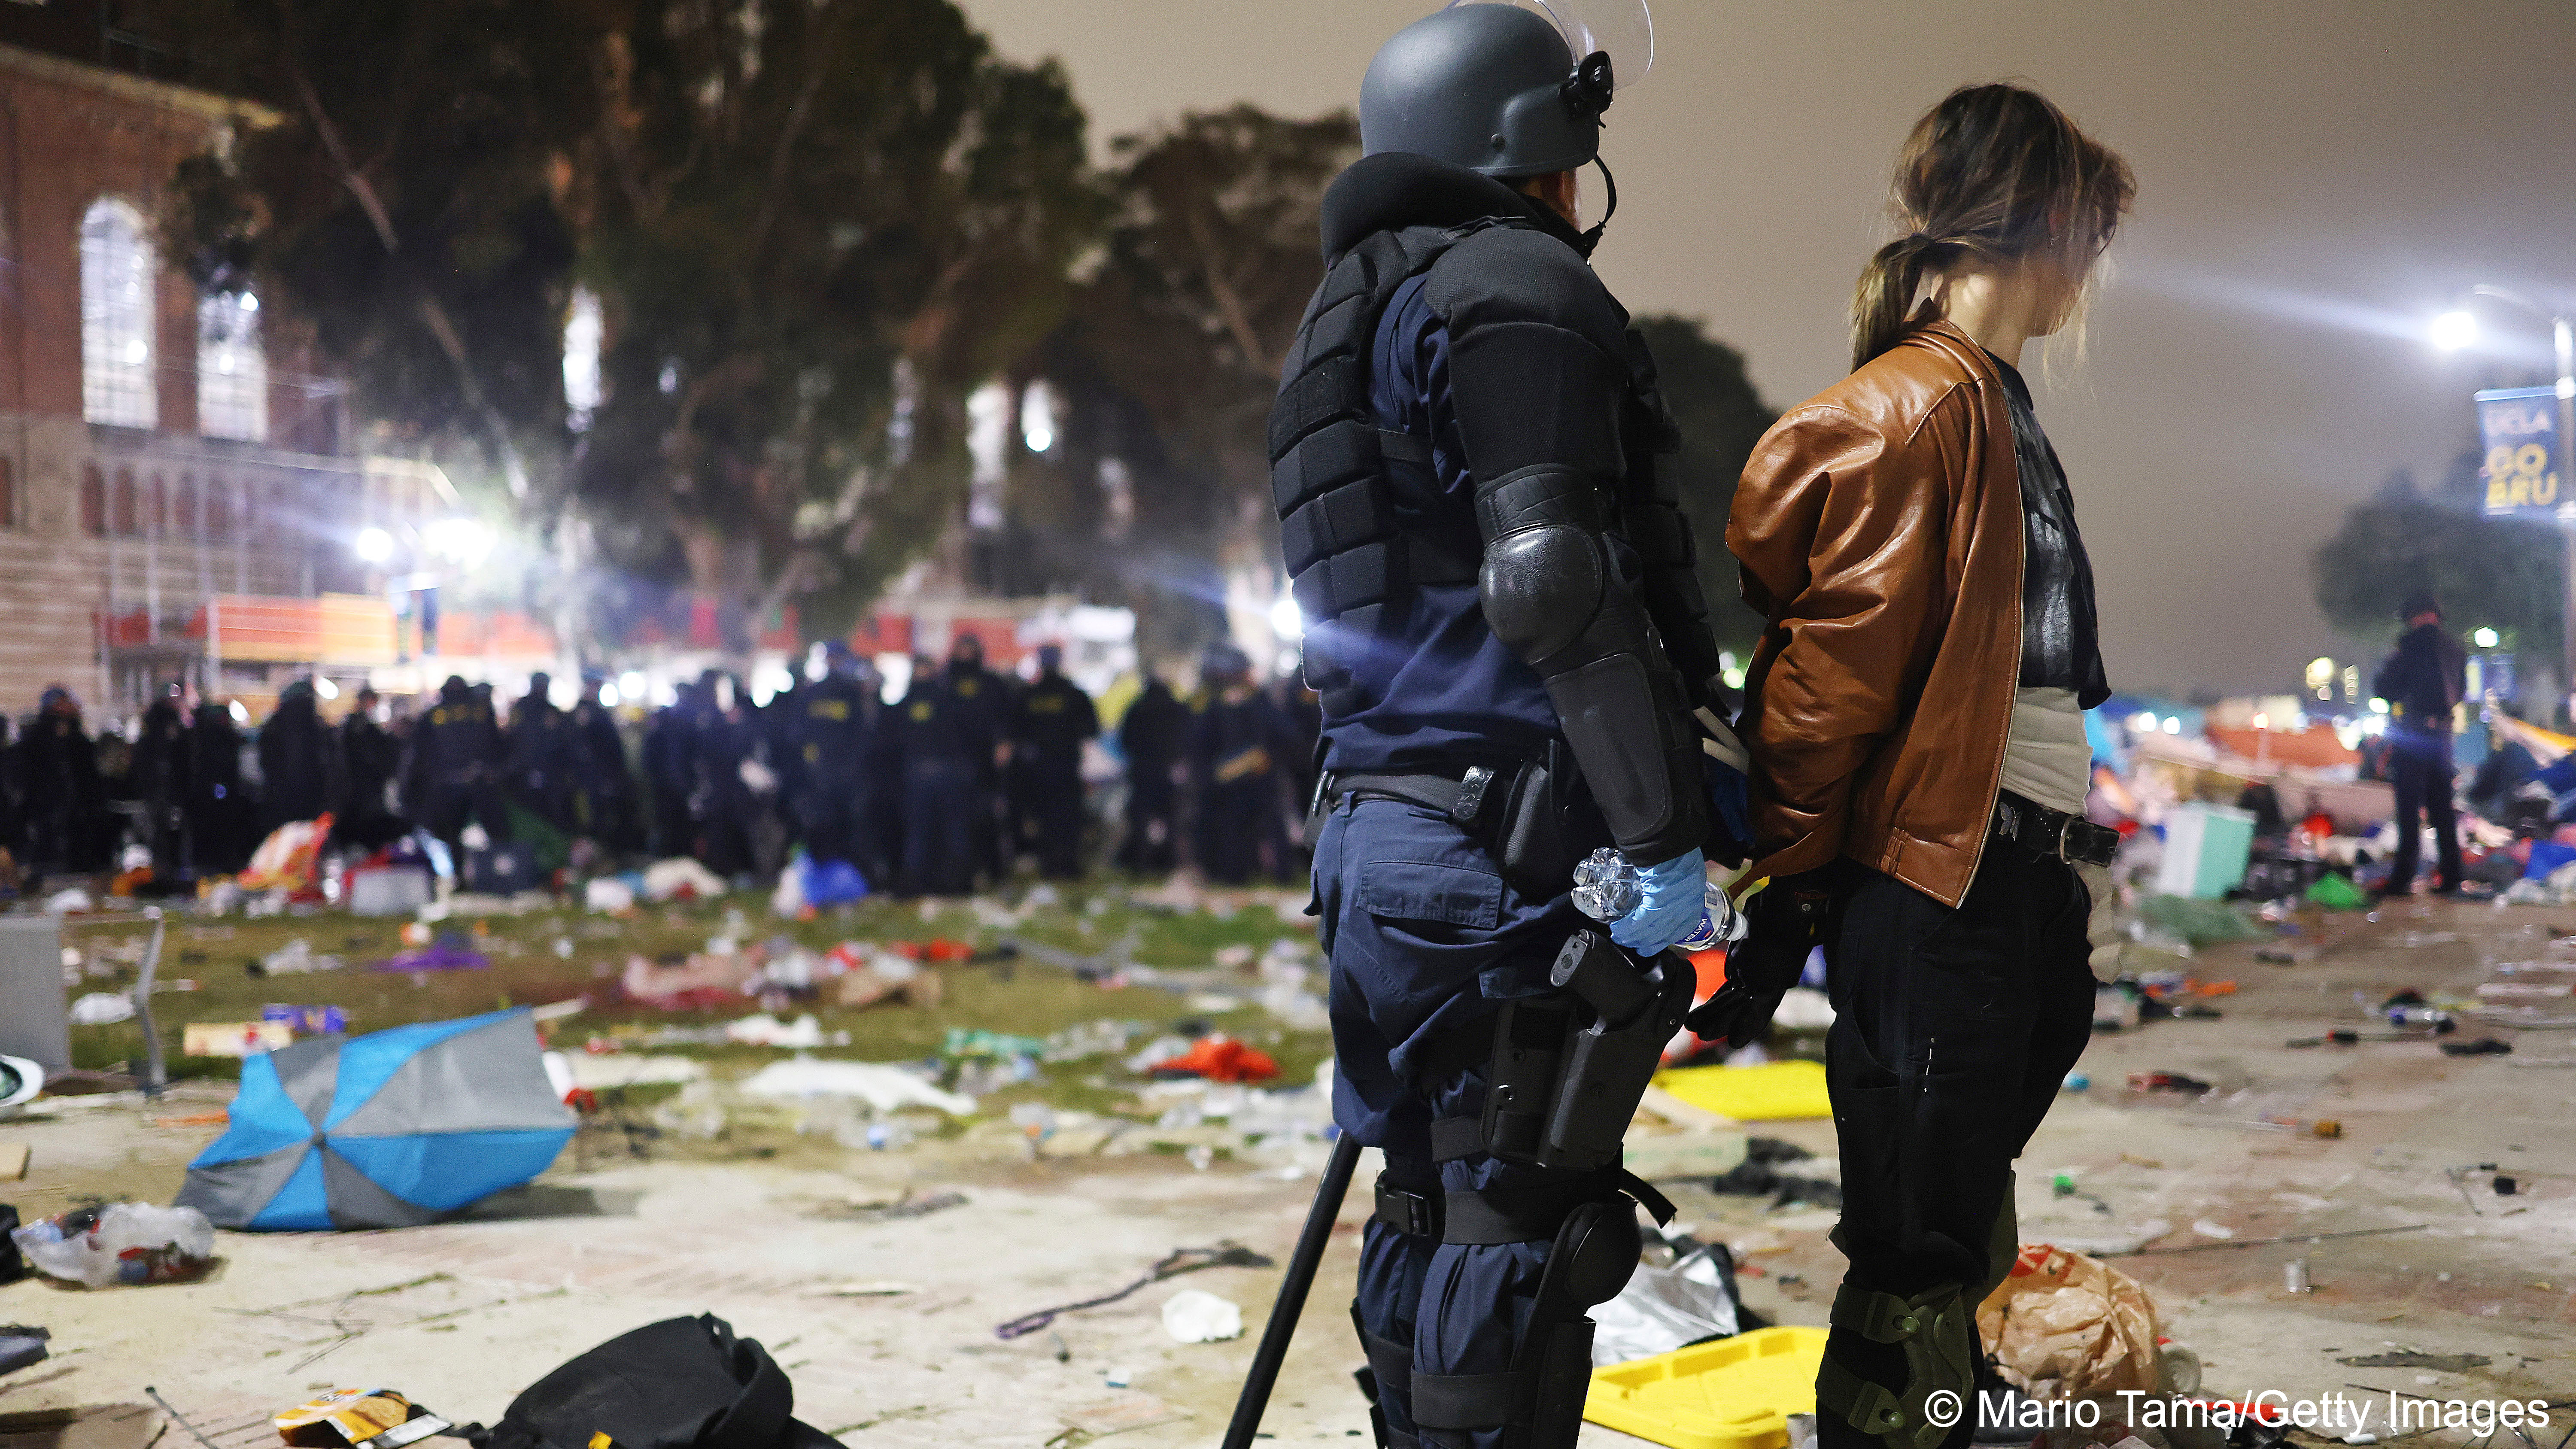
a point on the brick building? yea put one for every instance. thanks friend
(160, 454)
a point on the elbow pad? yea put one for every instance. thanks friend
(1566, 597)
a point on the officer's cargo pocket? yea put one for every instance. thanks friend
(1419, 890)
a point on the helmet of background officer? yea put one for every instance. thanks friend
(453, 690)
(1050, 659)
(2420, 608)
(367, 698)
(966, 655)
(840, 661)
(297, 689)
(1492, 88)
(1224, 664)
(57, 699)
(539, 684)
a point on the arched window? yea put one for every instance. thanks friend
(117, 272)
(156, 506)
(93, 501)
(121, 510)
(183, 507)
(232, 368)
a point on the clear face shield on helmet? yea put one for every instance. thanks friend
(1619, 32)
(1613, 42)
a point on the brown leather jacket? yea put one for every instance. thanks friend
(1879, 529)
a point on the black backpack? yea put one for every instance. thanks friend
(683, 1383)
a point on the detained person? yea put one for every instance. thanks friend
(1914, 718)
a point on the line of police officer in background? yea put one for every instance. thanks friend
(947, 788)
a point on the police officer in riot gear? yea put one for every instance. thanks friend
(452, 771)
(1510, 647)
(835, 719)
(1050, 721)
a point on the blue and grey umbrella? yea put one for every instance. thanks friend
(384, 1130)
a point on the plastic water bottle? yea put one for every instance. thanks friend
(1607, 887)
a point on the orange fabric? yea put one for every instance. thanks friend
(1222, 1059)
(2314, 748)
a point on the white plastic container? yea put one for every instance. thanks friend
(2206, 848)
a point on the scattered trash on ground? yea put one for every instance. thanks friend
(102, 1008)
(1218, 1058)
(120, 1242)
(234, 1038)
(358, 1419)
(892, 1210)
(1760, 1175)
(2065, 1325)
(2447, 1363)
(307, 1020)
(884, 1088)
(1195, 1315)
(1691, 1300)
(1180, 1260)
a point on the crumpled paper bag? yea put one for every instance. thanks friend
(2063, 1325)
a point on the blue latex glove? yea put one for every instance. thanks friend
(1676, 894)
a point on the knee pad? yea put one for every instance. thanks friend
(1937, 1330)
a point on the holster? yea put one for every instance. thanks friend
(1537, 821)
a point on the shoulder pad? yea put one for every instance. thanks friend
(1506, 274)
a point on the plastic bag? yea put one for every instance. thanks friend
(122, 1242)
(102, 1008)
(1195, 1315)
(289, 856)
(2063, 1325)
(1663, 1309)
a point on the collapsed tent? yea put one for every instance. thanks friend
(385, 1130)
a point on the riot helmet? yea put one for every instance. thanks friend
(1506, 90)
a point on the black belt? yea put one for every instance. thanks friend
(2053, 833)
(1467, 801)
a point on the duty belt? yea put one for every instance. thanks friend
(2054, 833)
(1467, 801)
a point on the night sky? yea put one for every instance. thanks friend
(2315, 182)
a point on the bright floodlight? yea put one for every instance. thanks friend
(2455, 330)
(1285, 619)
(323, 686)
(460, 541)
(2486, 638)
(375, 545)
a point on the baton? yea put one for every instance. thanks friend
(1292, 1293)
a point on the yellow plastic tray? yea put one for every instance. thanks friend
(1736, 1393)
(1751, 1094)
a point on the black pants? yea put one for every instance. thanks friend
(1049, 817)
(1953, 1030)
(1243, 832)
(2422, 777)
(1152, 838)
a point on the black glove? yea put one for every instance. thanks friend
(1787, 920)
